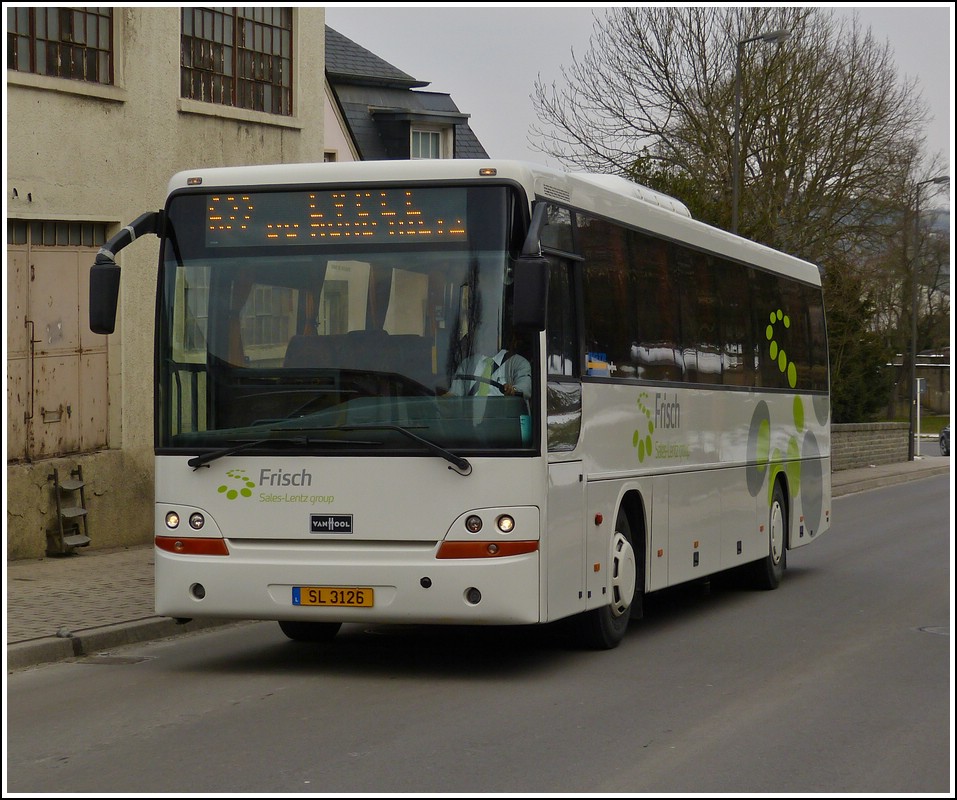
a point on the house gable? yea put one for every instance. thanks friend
(381, 106)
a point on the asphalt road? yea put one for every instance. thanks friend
(838, 682)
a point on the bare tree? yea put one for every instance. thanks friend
(824, 117)
(830, 147)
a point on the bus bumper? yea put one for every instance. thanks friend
(409, 585)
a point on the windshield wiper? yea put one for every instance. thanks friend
(461, 465)
(201, 460)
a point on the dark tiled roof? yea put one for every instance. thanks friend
(377, 101)
(346, 61)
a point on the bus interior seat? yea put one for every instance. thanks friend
(364, 351)
(310, 351)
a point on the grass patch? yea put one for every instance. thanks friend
(929, 423)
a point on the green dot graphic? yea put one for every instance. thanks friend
(798, 414)
(777, 352)
(240, 476)
(643, 444)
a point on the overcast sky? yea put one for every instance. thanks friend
(488, 56)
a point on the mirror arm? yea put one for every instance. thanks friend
(533, 240)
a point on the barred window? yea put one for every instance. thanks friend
(54, 233)
(240, 57)
(72, 43)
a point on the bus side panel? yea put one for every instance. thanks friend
(810, 501)
(742, 537)
(714, 455)
(694, 535)
(605, 498)
(715, 526)
(564, 541)
(659, 520)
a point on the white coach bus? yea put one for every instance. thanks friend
(329, 452)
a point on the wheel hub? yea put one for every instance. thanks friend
(624, 574)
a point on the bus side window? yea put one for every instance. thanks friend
(563, 360)
(561, 336)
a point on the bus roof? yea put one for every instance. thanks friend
(608, 196)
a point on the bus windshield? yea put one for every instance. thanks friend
(343, 322)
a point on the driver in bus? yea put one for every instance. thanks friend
(503, 373)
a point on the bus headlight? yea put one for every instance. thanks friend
(506, 523)
(473, 523)
(196, 521)
(172, 519)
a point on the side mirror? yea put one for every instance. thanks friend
(530, 293)
(104, 296)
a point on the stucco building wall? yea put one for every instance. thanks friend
(84, 152)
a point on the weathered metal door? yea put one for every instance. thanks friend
(57, 386)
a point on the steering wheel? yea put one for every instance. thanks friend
(482, 379)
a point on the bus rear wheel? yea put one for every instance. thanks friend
(604, 628)
(300, 631)
(768, 572)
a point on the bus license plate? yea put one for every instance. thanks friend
(336, 596)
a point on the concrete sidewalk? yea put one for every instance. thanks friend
(60, 608)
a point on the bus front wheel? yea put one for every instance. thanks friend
(300, 631)
(604, 628)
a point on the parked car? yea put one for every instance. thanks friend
(945, 441)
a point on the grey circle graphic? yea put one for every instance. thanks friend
(822, 408)
(756, 470)
(812, 484)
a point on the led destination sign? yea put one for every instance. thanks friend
(256, 219)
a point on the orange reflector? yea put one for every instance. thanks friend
(485, 549)
(191, 546)
(660, 552)
(599, 519)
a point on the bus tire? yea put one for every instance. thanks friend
(300, 631)
(604, 628)
(768, 572)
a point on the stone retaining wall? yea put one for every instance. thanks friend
(865, 443)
